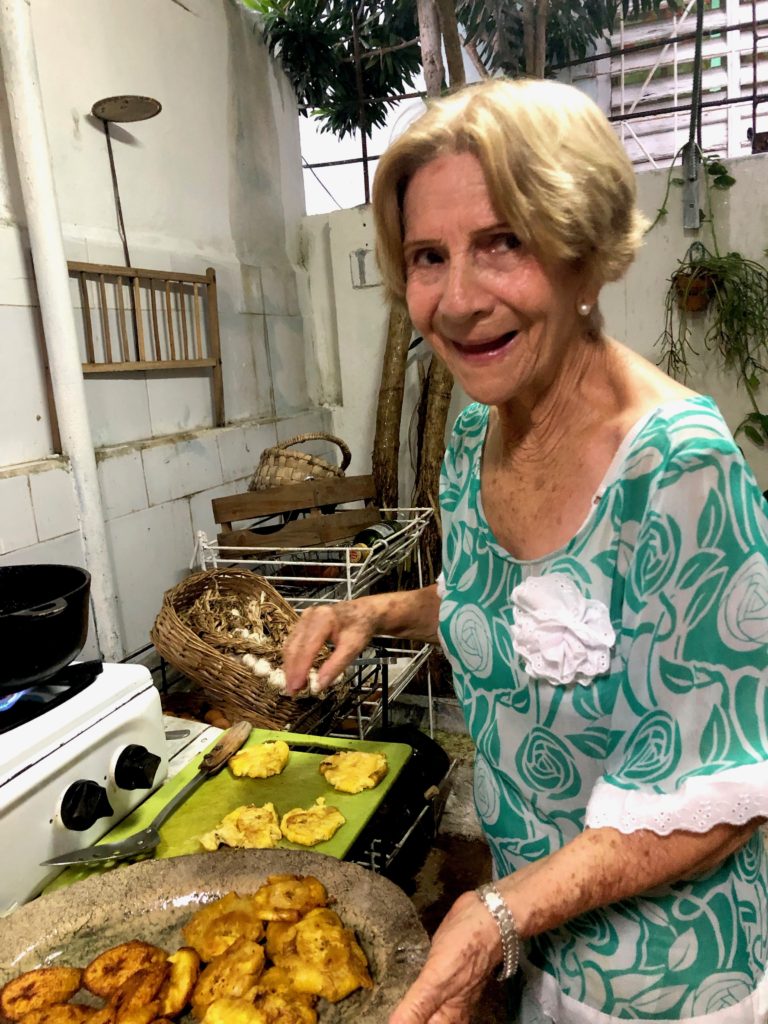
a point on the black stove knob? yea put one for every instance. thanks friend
(136, 767)
(83, 804)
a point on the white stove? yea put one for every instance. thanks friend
(73, 772)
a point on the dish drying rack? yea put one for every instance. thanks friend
(309, 575)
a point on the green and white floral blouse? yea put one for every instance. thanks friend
(622, 681)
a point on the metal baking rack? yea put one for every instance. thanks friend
(321, 575)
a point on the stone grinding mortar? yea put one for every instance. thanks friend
(152, 900)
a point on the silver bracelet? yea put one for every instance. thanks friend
(497, 907)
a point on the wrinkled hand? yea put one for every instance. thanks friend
(348, 625)
(465, 949)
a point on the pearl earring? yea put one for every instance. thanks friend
(584, 308)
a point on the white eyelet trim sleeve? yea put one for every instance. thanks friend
(562, 636)
(441, 589)
(733, 796)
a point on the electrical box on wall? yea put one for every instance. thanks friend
(365, 272)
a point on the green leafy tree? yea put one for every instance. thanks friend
(573, 27)
(314, 40)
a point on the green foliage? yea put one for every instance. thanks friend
(572, 28)
(732, 292)
(313, 40)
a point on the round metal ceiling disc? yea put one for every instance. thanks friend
(126, 108)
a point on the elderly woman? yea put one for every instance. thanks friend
(604, 589)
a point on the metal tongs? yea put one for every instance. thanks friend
(145, 841)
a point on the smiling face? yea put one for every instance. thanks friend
(500, 319)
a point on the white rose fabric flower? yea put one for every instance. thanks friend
(561, 635)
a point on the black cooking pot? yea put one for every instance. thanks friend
(43, 621)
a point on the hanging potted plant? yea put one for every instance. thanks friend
(731, 291)
(693, 282)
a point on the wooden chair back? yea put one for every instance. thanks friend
(321, 523)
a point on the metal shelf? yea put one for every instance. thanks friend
(321, 575)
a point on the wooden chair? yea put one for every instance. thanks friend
(311, 509)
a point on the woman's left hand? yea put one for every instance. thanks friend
(465, 949)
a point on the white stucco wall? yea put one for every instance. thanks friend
(351, 322)
(214, 180)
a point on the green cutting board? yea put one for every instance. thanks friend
(298, 785)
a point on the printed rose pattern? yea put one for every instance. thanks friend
(743, 617)
(652, 752)
(546, 764)
(651, 632)
(470, 634)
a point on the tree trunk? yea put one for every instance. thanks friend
(450, 29)
(431, 54)
(434, 413)
(540, 59)
(474, 56)
(529, 36)
(426, 492)
(386, 443)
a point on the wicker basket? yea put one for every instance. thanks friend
(228, 683)
(278, 466)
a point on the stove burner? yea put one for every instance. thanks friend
(10, 700)
(25, 705)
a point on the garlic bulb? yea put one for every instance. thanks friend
(277, 679)
(259, 666)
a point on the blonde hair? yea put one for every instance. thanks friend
(555, 170)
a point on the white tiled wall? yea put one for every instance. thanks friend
(155, 497)
(25, 432)
(247, 383)
(53, 500)
(179, 403)
(118, 409)
(241, 447)
(122, 483)
(150, 553)
(287, 358)
(17, 524)
(227, 195)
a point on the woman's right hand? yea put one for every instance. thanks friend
(348, 625)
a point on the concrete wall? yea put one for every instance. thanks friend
(349, 321)
(214, 180)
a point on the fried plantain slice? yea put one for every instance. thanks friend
(286, 1007)
(35, 989)
(141, 1014)
(213, 929)
(248, 827)
(262, 760)
(276, 995)
(60, 1013)
(231, 975)
(280, 936)
(311, 825)
(104, 1015)
(138, 996)
(234, 1011)
(107, 972)
(323, 957)
(181, 980)
(288, 897)
(352, 771)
